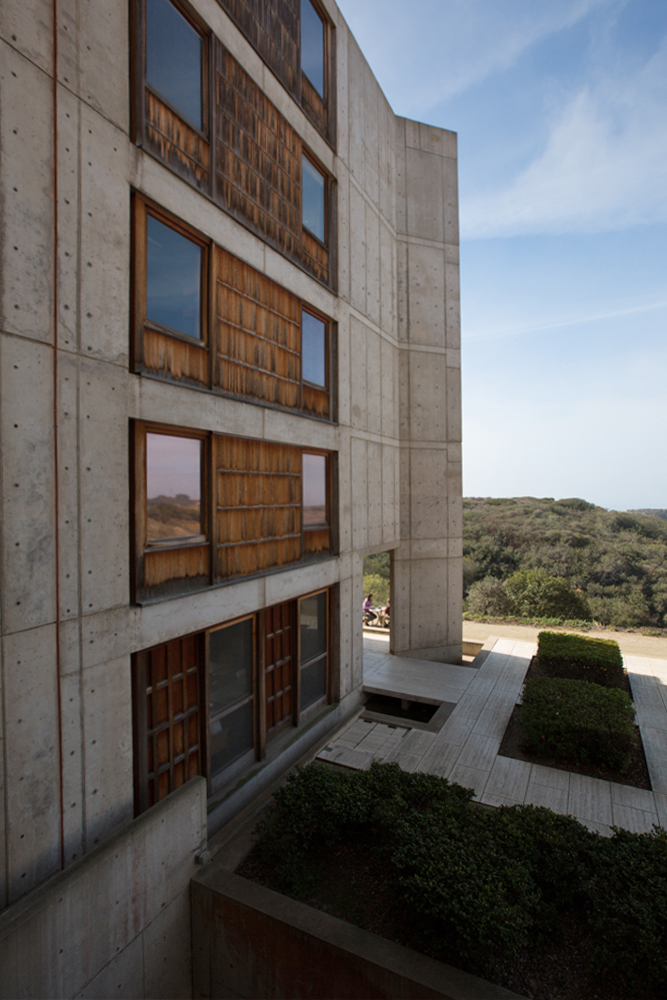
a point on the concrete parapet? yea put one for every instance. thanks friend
(116, 922)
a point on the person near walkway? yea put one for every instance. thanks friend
(369, 612)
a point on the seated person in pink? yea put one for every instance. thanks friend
(369, 613)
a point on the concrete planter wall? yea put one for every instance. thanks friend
(250, 942)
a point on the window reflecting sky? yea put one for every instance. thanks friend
(173, 59)
(314, 489)
(173, 466)
(312, 46)
(312, 199)
(173, 279)
(313, 341)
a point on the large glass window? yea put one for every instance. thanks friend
(231, 664)
(313, 627)
(314, 490)
(313, 349)
(173, 488)
(173, 279)
(174, 59)
(313, 200)
(312, 46)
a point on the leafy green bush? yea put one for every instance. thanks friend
(536, 593)
(578, 721)
(488, 597)
(580, 657)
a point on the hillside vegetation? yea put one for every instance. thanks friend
(564, 559)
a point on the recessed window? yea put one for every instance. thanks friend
(313, 185)
(313, 349)
(174, 59)
(312, 46)
(314, 490)
(231, 664)
(173, 279)
(173, 488)
(314, 646)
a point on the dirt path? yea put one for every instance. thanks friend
(631, 643)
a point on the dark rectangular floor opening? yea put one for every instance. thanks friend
(413, 711)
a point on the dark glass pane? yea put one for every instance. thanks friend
(173, 279)
(313, 683)
(173, 59)
(312, 46)
(313, 621)
(313, 342)
(312, 199)
(231, 736)
(314, 489)
(230, 665)
(173, 487)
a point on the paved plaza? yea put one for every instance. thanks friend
(465, 748)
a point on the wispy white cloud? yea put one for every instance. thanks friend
(443, 49)
(603, 166)
(558, 323)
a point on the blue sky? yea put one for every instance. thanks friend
(561, 111)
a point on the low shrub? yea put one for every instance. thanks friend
(535, 593)
(580, 657)
(478, 887)
(578, 721)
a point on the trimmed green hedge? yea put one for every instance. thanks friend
(473, 886)
(580, 657)
(578, 721)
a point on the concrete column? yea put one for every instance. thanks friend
(427, 566)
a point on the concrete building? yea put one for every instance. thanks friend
(230, 370)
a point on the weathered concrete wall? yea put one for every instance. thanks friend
(427, 566)
(116, 922)
(251, 942)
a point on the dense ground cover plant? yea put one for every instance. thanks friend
(580, 657)
(578, 721)
(479, 887)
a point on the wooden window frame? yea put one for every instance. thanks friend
(193, 566)
(312, 159)
(142, 208)
(327, 32)
(262, 745)
(327, 350)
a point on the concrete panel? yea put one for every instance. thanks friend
(427, 295)
(389, 496)
(26, 189)
(31, 758)
(344, 495)
(26, 25)
(160, 402)
(344, 362)
(105, 575)
(429, 499)
(428, 396)
(372, 264)
(387, 318)
(425, 209)
(359, 337)
(430, 138)
(374, 459)
(28, 553)
(104, 637)
(343, 207)
(105, 74)
(370, 133)
(167, 954)
(3, 823)
(68, 485)
(107, 725)
(122, 977)
(342, 95)
(374, 382)
(68, 219)
(428, 596)
(286, 586)
(359, 478)
(451, 205)
(454, 429)
(279, 425)
(389, 401)
(348, 616)
(357, 225)
(357, 110)
(72, 763)
(402, 292)
(453, 323)
(104, 265)
(401, 177)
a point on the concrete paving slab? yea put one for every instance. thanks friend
(441, 758)
(417, 742)
(590, 799)
(479, 752)
(632, 798)
(407, 761)
(635, 820)
(546, 795)
(470, 777)
(508, 781)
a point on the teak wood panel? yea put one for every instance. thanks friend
(279, 660)
(175, 358)
(272, 28)
(171, 679)
(189, 563)
(259, 335)
(176, 142)
(258, 506)
(313, 105)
